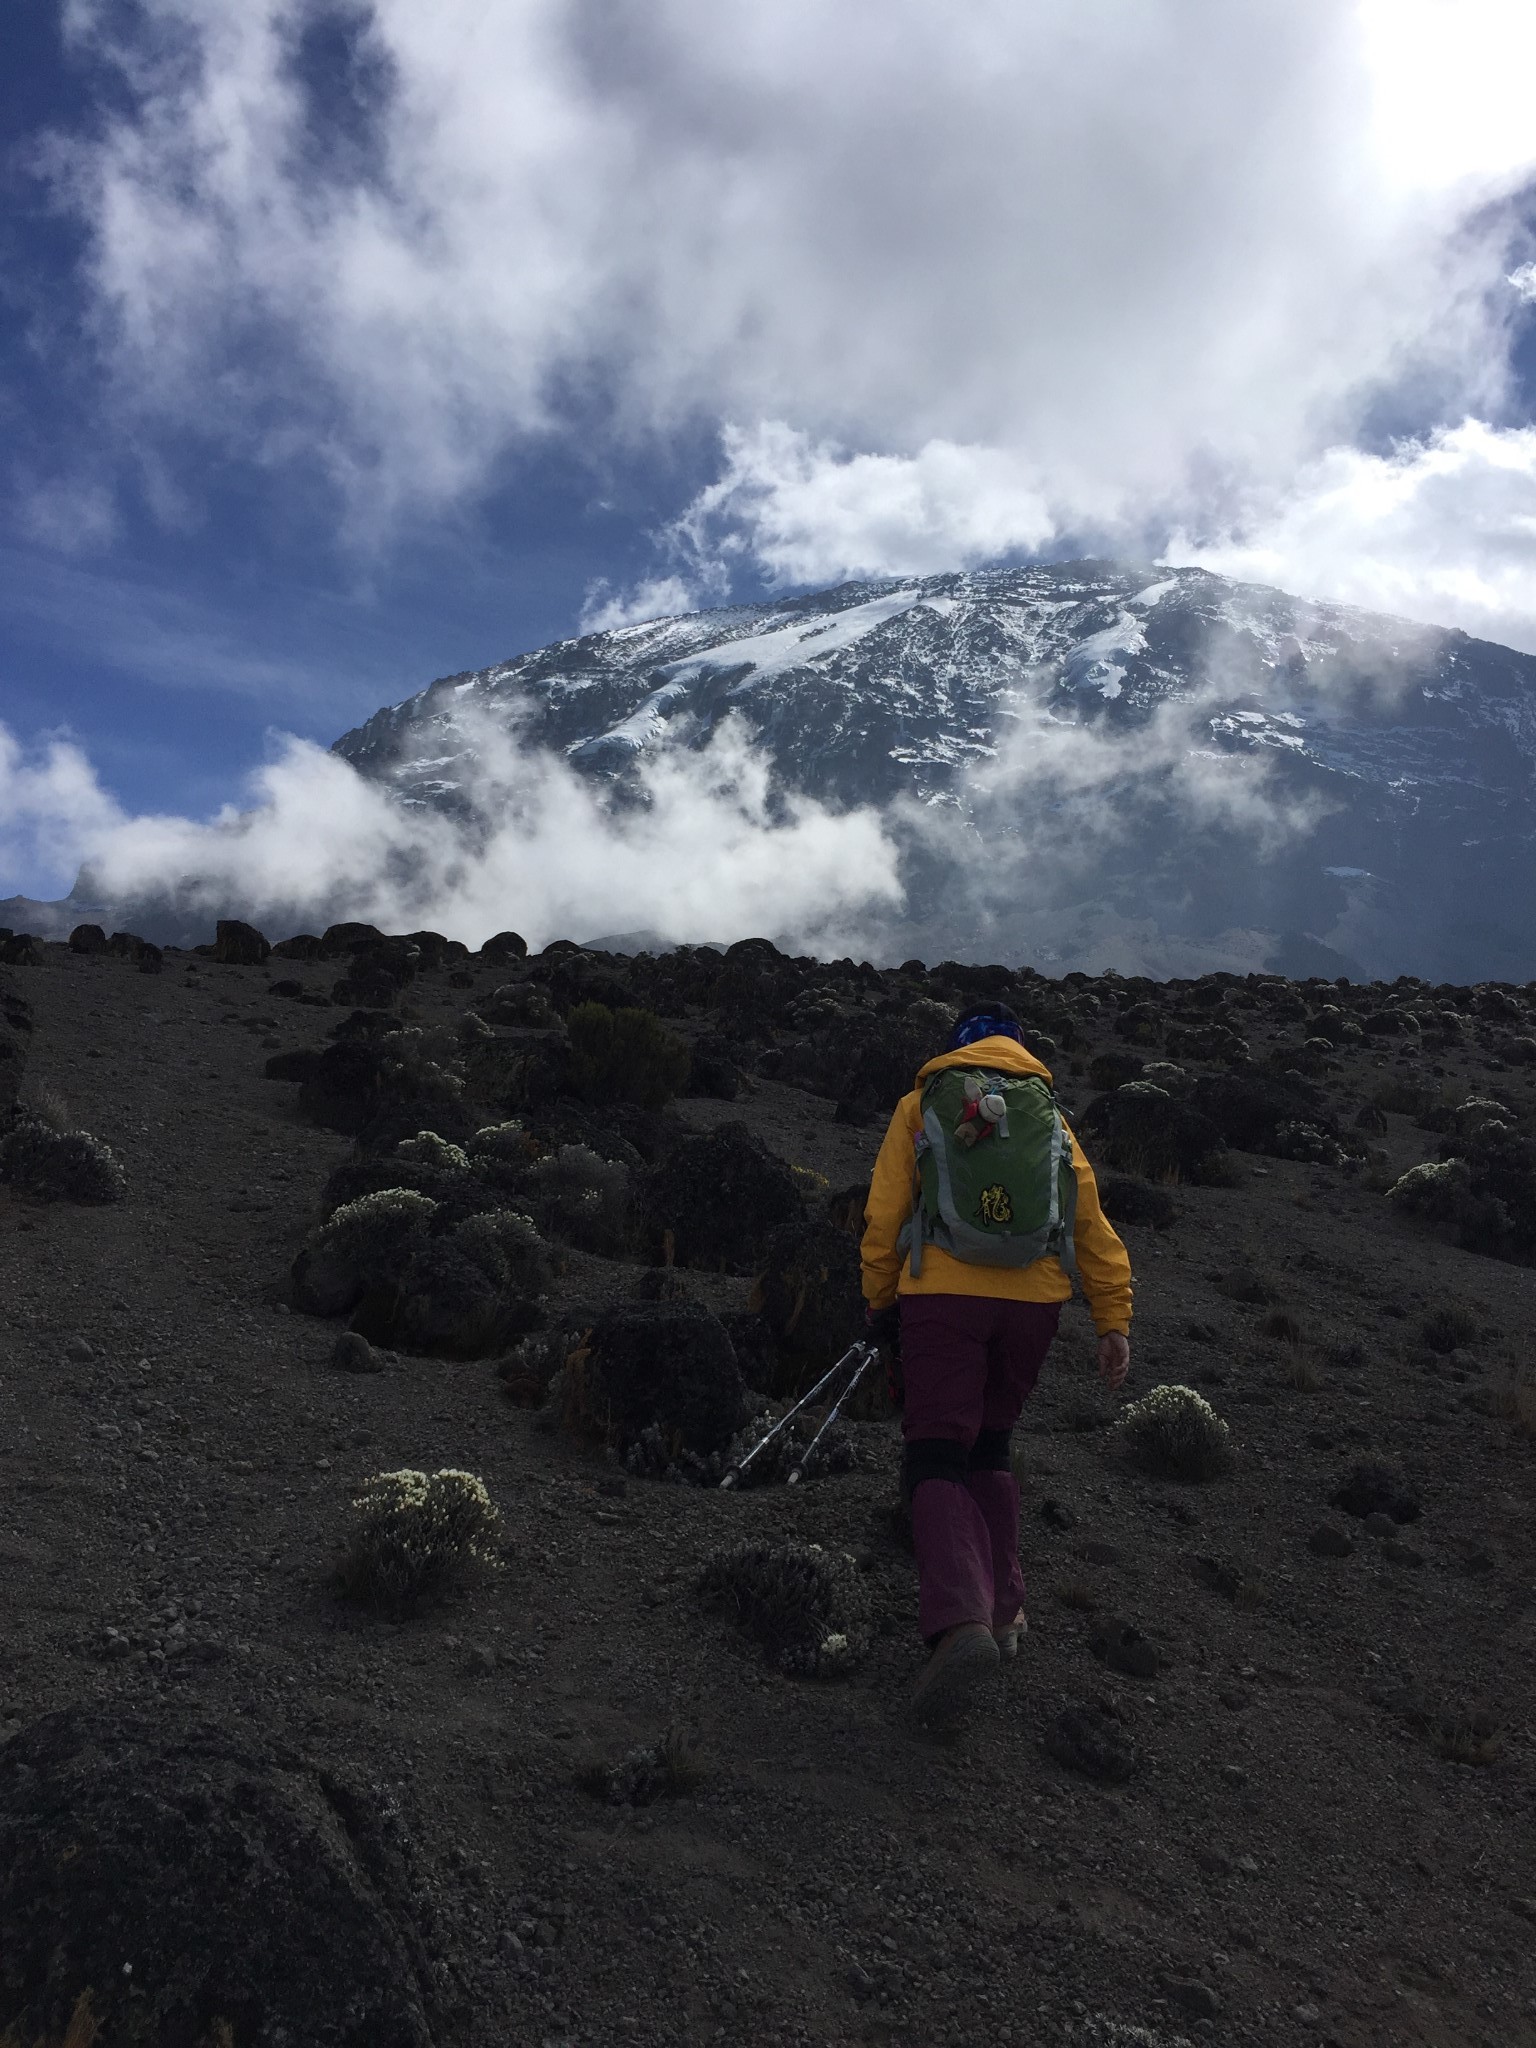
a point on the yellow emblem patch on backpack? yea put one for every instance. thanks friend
(996, 1204)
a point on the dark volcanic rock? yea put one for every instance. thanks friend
(246, 1888)
(1088, 1740)
(88, 938)
(239, 945)
(1373, 1486)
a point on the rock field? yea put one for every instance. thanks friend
(605, 1754)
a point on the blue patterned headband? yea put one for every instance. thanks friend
(975, 1024)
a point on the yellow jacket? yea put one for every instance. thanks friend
(1101, 1257)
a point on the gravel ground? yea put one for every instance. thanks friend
(1295, 1857)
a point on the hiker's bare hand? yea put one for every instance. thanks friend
(1114, 1360)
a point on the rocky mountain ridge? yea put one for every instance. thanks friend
(1391, 766)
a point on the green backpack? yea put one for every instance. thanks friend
(995, 1184)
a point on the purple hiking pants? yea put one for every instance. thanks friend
(969, 1363)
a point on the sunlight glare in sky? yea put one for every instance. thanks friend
(1453, 88)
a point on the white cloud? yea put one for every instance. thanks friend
(1001, 270)
(1441, 530)
(656, 597)
(1524, 282)
(809, 513)
(705, 853)
(50, 806)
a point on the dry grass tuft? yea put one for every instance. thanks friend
(1468, 1737)
(48, 1106)
(1515, 1399)
(1076, 1593)
(1282, 1327)
(1299, 1370)
(83, 2031)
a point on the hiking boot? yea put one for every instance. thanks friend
(1007, 1637)
(965, 1658)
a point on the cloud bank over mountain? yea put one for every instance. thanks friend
(702, 852)
(950, 284)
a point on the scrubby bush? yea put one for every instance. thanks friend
(719, 1198)
(575, 1195)
(520, 1005)
(1306, 1142)
(428, 1149)
(1141, 1129)
(667, 1767)
(1436, 1190)
(507, 1248)
(659, 1383)
(1125, 1200)
(807, 1606)
(624, 1056)
(59, 1166)
(365, 1243)
(415, 1537)
(1175, 1433)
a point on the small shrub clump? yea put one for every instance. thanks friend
(416, 1536)
(625, 1056)
(575, 1195)
(664, 1768)
(1447, 1329)
(59, 1166)
(428, 1149)
(1175, 1433)
(807, 1606)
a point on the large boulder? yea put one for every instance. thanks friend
(87, 938)
(719, 1198)
(22, 949)
(236, 944)
(194, 1884)
(338, 939)
(502, 948)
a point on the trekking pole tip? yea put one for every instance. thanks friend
(727, 1482)
(794, 1477)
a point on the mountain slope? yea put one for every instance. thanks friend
(1087, 761)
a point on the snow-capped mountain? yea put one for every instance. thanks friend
(1091, 763)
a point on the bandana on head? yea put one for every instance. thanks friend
(984, 1024)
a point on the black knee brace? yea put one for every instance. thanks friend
(992, 1451)
(931, 1457)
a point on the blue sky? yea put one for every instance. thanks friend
(345, 346)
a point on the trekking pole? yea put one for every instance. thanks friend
(867, 1355)
(805, 1400)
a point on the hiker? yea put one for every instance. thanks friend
(980, 1208)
